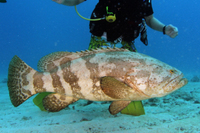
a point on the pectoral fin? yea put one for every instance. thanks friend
(114, 88)
(117, 106)
(119, 90)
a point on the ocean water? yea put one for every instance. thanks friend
(32, 29)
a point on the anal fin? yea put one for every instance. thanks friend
(56, 102)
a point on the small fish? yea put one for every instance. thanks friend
(106, 74)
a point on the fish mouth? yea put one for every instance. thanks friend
(177, 83)
(182, 82)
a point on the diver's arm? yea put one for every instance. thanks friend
(155, 24)
(69, 2)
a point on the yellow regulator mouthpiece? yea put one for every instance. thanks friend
(111, 18)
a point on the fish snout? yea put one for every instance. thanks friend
(182, 82)
(176, 83)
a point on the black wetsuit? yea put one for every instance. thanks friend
(129, 15)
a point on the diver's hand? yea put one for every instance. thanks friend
(69, 2)
(171, 31)
(59, 1)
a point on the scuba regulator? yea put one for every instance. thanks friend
(110, 16)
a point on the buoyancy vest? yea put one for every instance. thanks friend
(129, 16)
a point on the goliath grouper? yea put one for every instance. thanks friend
(110, 74)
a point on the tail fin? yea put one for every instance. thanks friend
(19, 78)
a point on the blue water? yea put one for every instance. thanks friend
(32, 29)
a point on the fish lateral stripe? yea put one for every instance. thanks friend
(56, 83)
(65, 85)
(71, 78)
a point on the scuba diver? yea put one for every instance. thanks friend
(114, 21)
(120, 21)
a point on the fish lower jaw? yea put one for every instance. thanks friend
(179, 85)
(182, 82)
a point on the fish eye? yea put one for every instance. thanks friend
(172, 71)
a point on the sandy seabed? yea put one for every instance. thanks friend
(178, 112)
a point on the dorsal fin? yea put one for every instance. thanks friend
(52, 60)
(45, 61)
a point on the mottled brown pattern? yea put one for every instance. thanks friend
(124, 76)
(100, 50)
(17, 73)
(24, 79)
(157, 69)
(65, 60)
(26, 92)
(170, 82)
(165, 79)
(114, 88)
(62, 97)
(94, 72)
(120, 64)
(45, 63)
(128, 58)
(53, 104)
(71, 79)
(132, 82)
(143, 74)
(56, 102)
(38, 82)
(57, 84)
(118, 106)
(51, 67)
